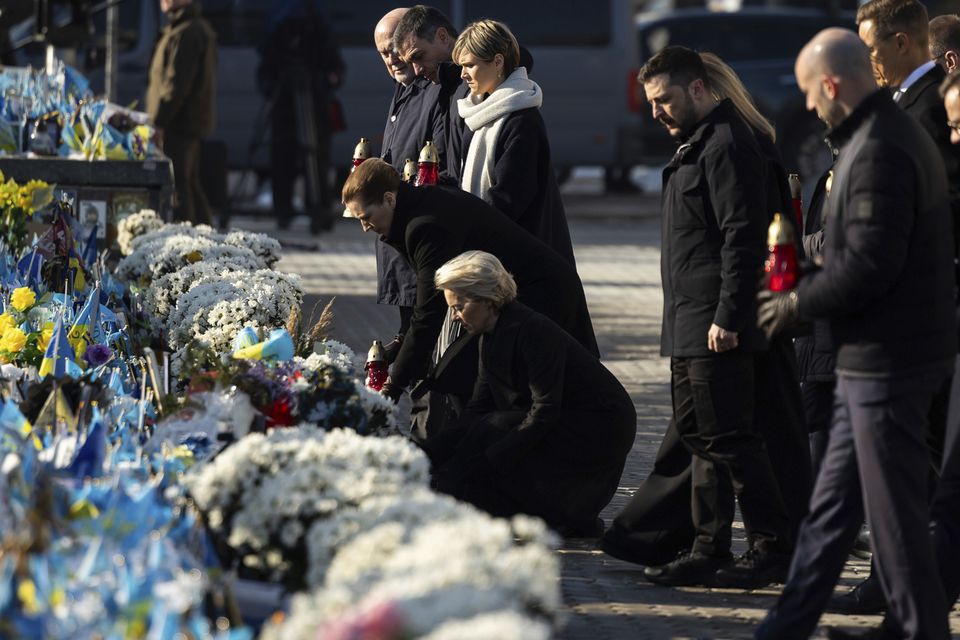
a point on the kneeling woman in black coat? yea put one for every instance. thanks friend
(548, 428)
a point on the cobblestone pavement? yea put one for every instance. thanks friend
(618, 259)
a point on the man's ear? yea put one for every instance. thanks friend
(443, 34)
(953, 60)
(902, 41)
(390, 199)
(696, 89)
(830, 86)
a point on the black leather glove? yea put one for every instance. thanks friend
(392, 391)
(777, 310)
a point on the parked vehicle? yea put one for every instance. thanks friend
(761, 44)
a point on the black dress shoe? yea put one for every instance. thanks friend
(861, 546)
(864, 599)
(755, 569)
(689, 569)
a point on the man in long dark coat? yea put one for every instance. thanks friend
(431, 225)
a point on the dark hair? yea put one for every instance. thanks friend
(950, 82)
(682, 66)
(891, 16)
(369, 182)
(944, 35)
(421, 21)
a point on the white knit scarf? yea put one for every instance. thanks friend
(485, 118)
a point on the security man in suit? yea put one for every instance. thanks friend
(897, 34)
(885, 288)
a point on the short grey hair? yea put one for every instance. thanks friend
(477, 275)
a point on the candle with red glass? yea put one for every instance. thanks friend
(781, 267)
(428, 171)
(376, 367)
(360, 153)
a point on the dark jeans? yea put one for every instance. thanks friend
(713, 404)
(184, 153)
(876, 461)
(818, 407)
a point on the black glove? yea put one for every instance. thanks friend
(776, 311)
(391, 391)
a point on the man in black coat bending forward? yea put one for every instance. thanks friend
(713, 235)
(431, 225)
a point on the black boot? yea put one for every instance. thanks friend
(756, 568)
(689, 569)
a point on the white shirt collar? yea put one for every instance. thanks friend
(916, 75)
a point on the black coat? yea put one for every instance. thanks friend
(923, 102)
(524, 185)
(816, 355)
(449, 126)
(713, 235)
(411, 120)
(571, 423)
(887, 281)
(431, 225)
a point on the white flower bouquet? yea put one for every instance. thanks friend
(134, 226)
(429, 567)
(214, 311)
(262, 494)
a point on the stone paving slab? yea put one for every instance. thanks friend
(618, 262)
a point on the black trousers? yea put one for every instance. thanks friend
(713, 405)
(945, 512)
(876, 462)
(656, 524)
(184, 153)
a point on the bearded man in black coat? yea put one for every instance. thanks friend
(713, 236)
(431, 225)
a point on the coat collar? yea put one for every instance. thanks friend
(408, 201)
(839, 135)
(721, 113)
(933, 77)
(504, 334)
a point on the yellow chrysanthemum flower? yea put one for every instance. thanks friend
(22, 298)
(44, 340)
(6, 322)
(13, 340)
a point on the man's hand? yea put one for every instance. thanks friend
(720, 340)
(391, 390)
(777, 311)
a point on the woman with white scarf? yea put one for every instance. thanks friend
(507, 159)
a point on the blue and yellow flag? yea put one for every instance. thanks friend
(59, 359)
(86, 326)
(279, 346)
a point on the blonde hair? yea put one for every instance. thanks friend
(477, 275)
(485, 39)
(724, 83)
